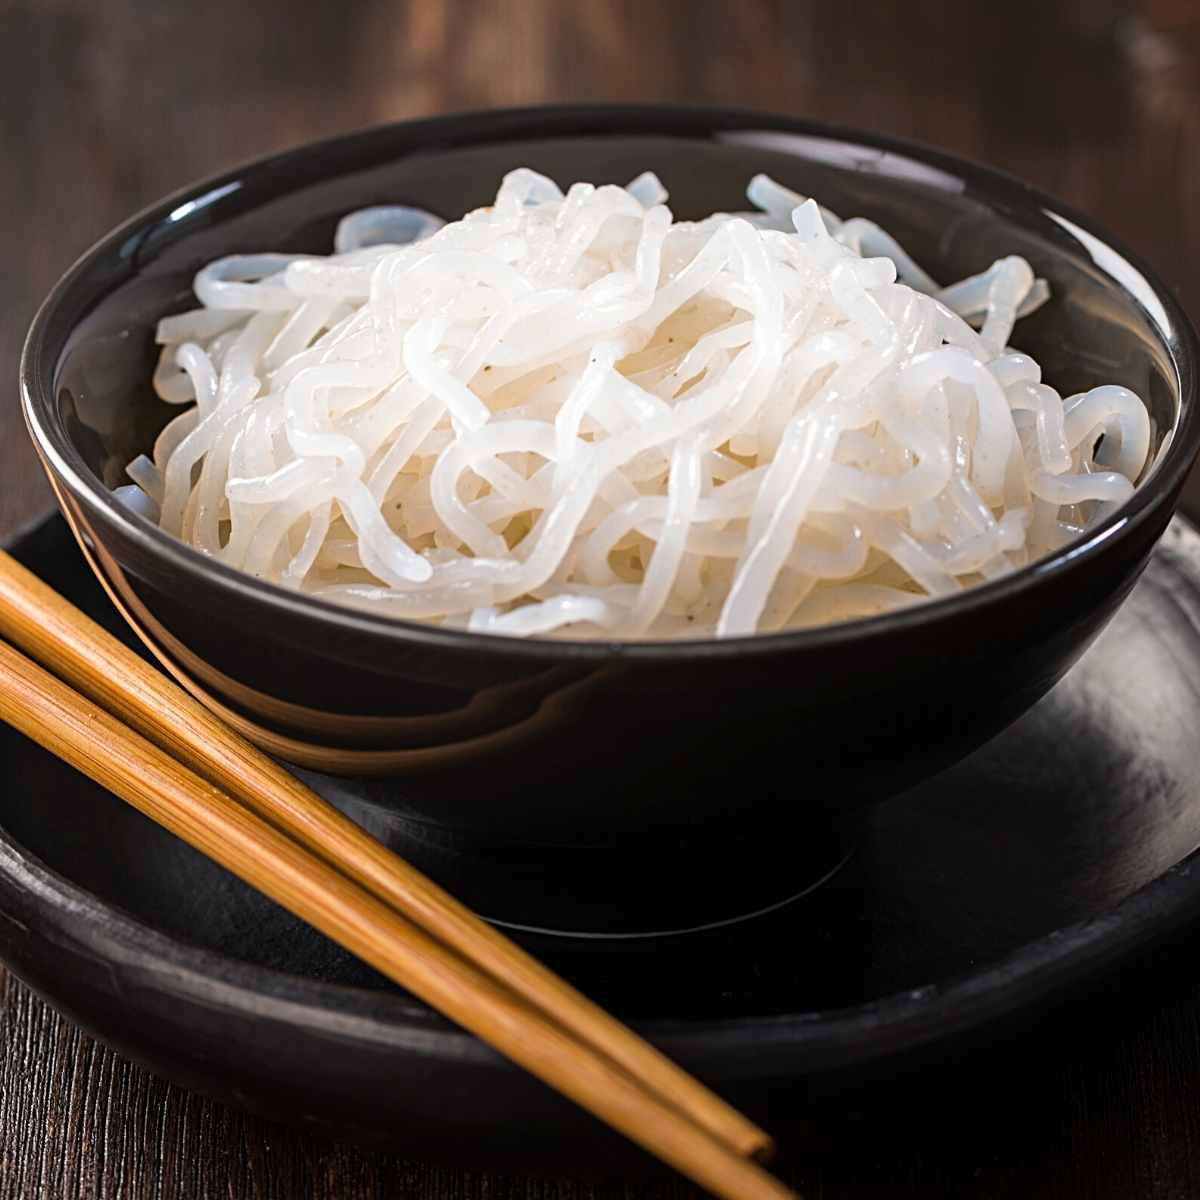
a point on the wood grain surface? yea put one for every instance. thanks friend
(105, 106)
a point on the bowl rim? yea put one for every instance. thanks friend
(481, 127)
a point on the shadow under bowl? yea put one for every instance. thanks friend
(611, 787)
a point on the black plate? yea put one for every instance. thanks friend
(970, 929)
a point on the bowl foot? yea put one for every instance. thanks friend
(640, 887)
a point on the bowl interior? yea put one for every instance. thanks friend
(1105, 323)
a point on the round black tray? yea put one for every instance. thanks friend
(974, 931)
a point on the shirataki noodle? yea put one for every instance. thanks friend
(573, 415)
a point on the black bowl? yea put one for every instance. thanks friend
(514, 770)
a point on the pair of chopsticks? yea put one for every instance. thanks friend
(111, 715)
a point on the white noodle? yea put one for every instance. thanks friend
(571, 414)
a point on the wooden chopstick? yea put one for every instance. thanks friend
(92, 740)
(52, 630)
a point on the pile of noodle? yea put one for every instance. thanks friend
(572, 414)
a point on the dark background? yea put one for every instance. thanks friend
(107, 104)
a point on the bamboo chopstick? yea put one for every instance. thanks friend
(90, 739)
(52, 630)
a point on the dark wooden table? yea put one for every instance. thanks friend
(104, 106)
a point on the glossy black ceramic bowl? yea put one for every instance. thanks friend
(515, 769)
